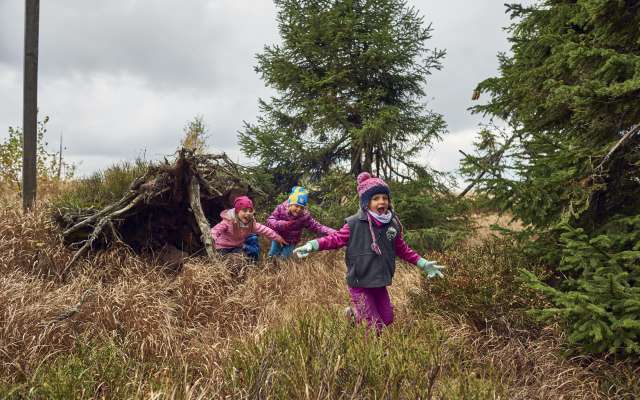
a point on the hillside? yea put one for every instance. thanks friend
(117, 327)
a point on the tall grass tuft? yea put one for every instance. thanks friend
(103, 187)
(322, 355)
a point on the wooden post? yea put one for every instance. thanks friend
(30, 103)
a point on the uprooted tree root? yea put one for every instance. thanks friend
(167, 212)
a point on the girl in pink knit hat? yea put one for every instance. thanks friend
(236, 232)
(374, 238)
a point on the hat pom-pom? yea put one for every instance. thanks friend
(363, 177)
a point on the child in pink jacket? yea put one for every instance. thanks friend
(236, 226)
(290, 218)
(373, 238)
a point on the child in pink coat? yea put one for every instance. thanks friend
(373, 238)
(290, 218)
(236, 226)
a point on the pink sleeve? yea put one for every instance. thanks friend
(335, 240)
(404, 251)
(317, 227)
(274, 223)
(217, 230)
(266, 231)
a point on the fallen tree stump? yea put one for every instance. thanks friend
(173, 205)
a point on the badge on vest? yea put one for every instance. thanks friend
(391, 233)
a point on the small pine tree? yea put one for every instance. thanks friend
(195, 135)
(600, 298)
(350, 77)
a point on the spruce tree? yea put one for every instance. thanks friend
(570, 168)
(350, 77)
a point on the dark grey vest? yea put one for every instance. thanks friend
(365, 268)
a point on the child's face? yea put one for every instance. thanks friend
(379, 204)
(295, 210)
(245, 215)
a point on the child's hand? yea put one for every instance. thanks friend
(307, 248)
(282, 242)
(430, 268)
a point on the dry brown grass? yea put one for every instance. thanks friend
(534, 367)
(482, 223)
(185, 324)
(190, 317)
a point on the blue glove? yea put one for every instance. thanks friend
(307, 248)
(251, 245)
(430, 268)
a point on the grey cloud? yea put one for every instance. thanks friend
(123, 77)
(103, 64)
(471, 32)
(202, 45)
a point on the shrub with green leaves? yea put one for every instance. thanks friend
(482, 286)
(600, 299)
(103, 187)
(326, 356)
(49, 165)
(433, 218)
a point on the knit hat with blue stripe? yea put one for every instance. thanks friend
(299, 196)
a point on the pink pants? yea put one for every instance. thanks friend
(372, 305)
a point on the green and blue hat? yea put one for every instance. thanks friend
(299, 196)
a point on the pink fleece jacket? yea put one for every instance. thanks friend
(341, 238)
(290, 227)
(229, 234)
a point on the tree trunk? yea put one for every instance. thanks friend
(198, 213)
(356, 145)
(368, 158)
(356, 160)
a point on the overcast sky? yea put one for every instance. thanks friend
(121, 78)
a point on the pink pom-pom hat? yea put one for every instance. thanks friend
(368, 186)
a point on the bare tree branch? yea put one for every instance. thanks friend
(491, 159)
(628, 135)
